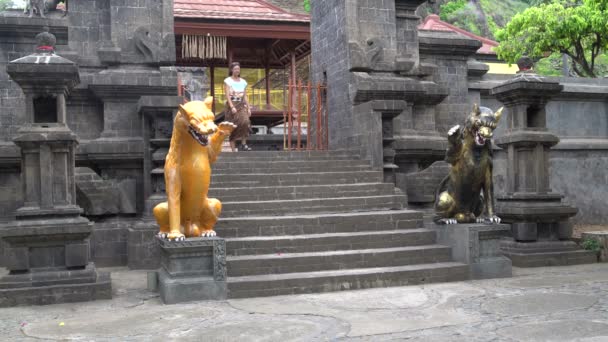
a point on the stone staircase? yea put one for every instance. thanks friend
(302, 222)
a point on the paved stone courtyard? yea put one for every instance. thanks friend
(539, 304)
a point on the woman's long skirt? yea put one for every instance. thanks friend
(240, 119)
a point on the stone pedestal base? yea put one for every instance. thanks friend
(477, 245)
(54, 287)
(143, 250)
(546, 253)
(192, 270)
(49, 263)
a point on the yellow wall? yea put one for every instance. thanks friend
(251, 76)
(502, 68)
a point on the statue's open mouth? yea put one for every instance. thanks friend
(200, 138)
(479, 140)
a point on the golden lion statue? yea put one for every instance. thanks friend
(458, 198)
(195, 144)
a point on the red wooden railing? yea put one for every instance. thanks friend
(300, 102)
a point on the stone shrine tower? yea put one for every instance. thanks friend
(539, 219)
(47, 246)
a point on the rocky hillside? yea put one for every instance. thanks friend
(482, 17)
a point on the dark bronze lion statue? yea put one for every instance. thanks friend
(466, 194)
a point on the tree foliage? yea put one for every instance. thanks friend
(4, 4)
(577, 28)
(307, 5)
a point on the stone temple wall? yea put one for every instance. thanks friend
(125, 49)
(436, 93)
(579, 116)
(393, 92)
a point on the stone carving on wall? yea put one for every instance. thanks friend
(195, 83)
(146, 44)
(365, 57)
(41, 7)
(98, 196)
(35, 6)
(458, 198)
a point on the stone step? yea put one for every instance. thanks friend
(280, 263)
(349, 279)
(266, 193)
(237, 164)
(301, 178)
(272, 169)
(318, 223)
(287, 155)
(257, 245)
(310, 205)
(227, 157)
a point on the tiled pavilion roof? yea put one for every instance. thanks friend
(433, 23)
(257, 10)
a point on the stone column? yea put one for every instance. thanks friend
(540, 220)
(157, 122)
(47, 247)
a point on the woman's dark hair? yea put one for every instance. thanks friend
(232, 65)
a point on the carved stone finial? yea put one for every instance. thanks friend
(45, 41)
(525, 64)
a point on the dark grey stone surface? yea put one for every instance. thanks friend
(477, 245)
(101, 288)
(143, 251)
(194, 269)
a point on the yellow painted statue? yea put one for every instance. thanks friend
(196, 143)
(459, 197)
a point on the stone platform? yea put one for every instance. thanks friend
(477, 245)
(49, 263)
(191, 270)
(546, 253)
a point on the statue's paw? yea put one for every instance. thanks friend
(453, 130)
(448, 221)
(162, 235)
(226, 127)
(208, 233)
(489, 220)
(176, 237)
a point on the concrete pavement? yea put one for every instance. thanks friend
(540, 304)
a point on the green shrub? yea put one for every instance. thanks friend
(591, 245)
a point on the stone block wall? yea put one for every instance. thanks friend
(121, 47)
(450, 54)
(330, 65)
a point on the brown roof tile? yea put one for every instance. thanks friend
(234, 10)
(433, 23)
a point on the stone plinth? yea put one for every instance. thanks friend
(191, 270)
(546, 253)
(49, 262)
(477, 245)
(540, 221)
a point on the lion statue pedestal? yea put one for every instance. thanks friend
(193, 259)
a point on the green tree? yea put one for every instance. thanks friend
(307, 5)
(4, 4)
(578, 29)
